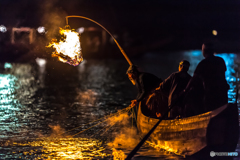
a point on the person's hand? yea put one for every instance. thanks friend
(134, 102)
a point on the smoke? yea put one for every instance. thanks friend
(87, 98)
(53, 17)
(123, 119)
(56, 130)
(126, 138)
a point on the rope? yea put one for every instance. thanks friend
(127, 109)
(112, 114)
(108, 129)
(99, 131)
(104, 128)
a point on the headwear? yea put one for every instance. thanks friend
(184, 63)
(132, 69)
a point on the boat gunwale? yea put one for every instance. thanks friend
(204, 116)
(178, 125)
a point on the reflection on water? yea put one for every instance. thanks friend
(60, 148)
(232, 67)
(194, 57)
(8, 111)
(43, 105)
(17, 86)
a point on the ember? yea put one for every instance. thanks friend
(67, 50)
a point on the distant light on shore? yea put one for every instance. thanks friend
(80, 30)
(3, 28)
(40, 61)
(7, 65)
(214, 32)
(41, 29)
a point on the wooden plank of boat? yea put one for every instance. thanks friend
(188, 136)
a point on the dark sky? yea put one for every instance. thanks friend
(142, 18)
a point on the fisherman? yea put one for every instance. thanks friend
(173, 86)
(146, 84)
(209, 81)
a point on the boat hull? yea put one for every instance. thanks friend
(191, 135)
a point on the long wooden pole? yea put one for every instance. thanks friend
(134, 151)
(122, 51)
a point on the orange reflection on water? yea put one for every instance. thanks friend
(66, 148)
(163, 145)
(118, 154)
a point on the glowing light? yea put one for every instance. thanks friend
(214, 32)
(118, 154)
(230, 74)
(41, 62)
(41, 29)
(163, 145)
(229, 59)
(194, 57)
(66, 148)
(68, 50)
(7, 87)
(3, 28)
(7, 65)
(80, 30)
(7, 80)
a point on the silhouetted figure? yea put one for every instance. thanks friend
(208, 85)
(173, 86)
(146, 84)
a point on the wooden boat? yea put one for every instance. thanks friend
(217, 130)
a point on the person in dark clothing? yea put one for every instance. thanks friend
(209, 79)
(146, 84)
(173, 86)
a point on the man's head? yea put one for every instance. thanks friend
(207, 49)
(184, 66)
(132, 73)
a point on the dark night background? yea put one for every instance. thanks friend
(40, 95)
(150, 25)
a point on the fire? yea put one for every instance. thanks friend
(67, 50)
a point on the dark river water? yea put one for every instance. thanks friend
(51, 110)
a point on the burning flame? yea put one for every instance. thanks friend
(67, 50)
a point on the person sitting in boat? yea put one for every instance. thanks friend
(146, 84)
(209, 83)
(173, 86)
